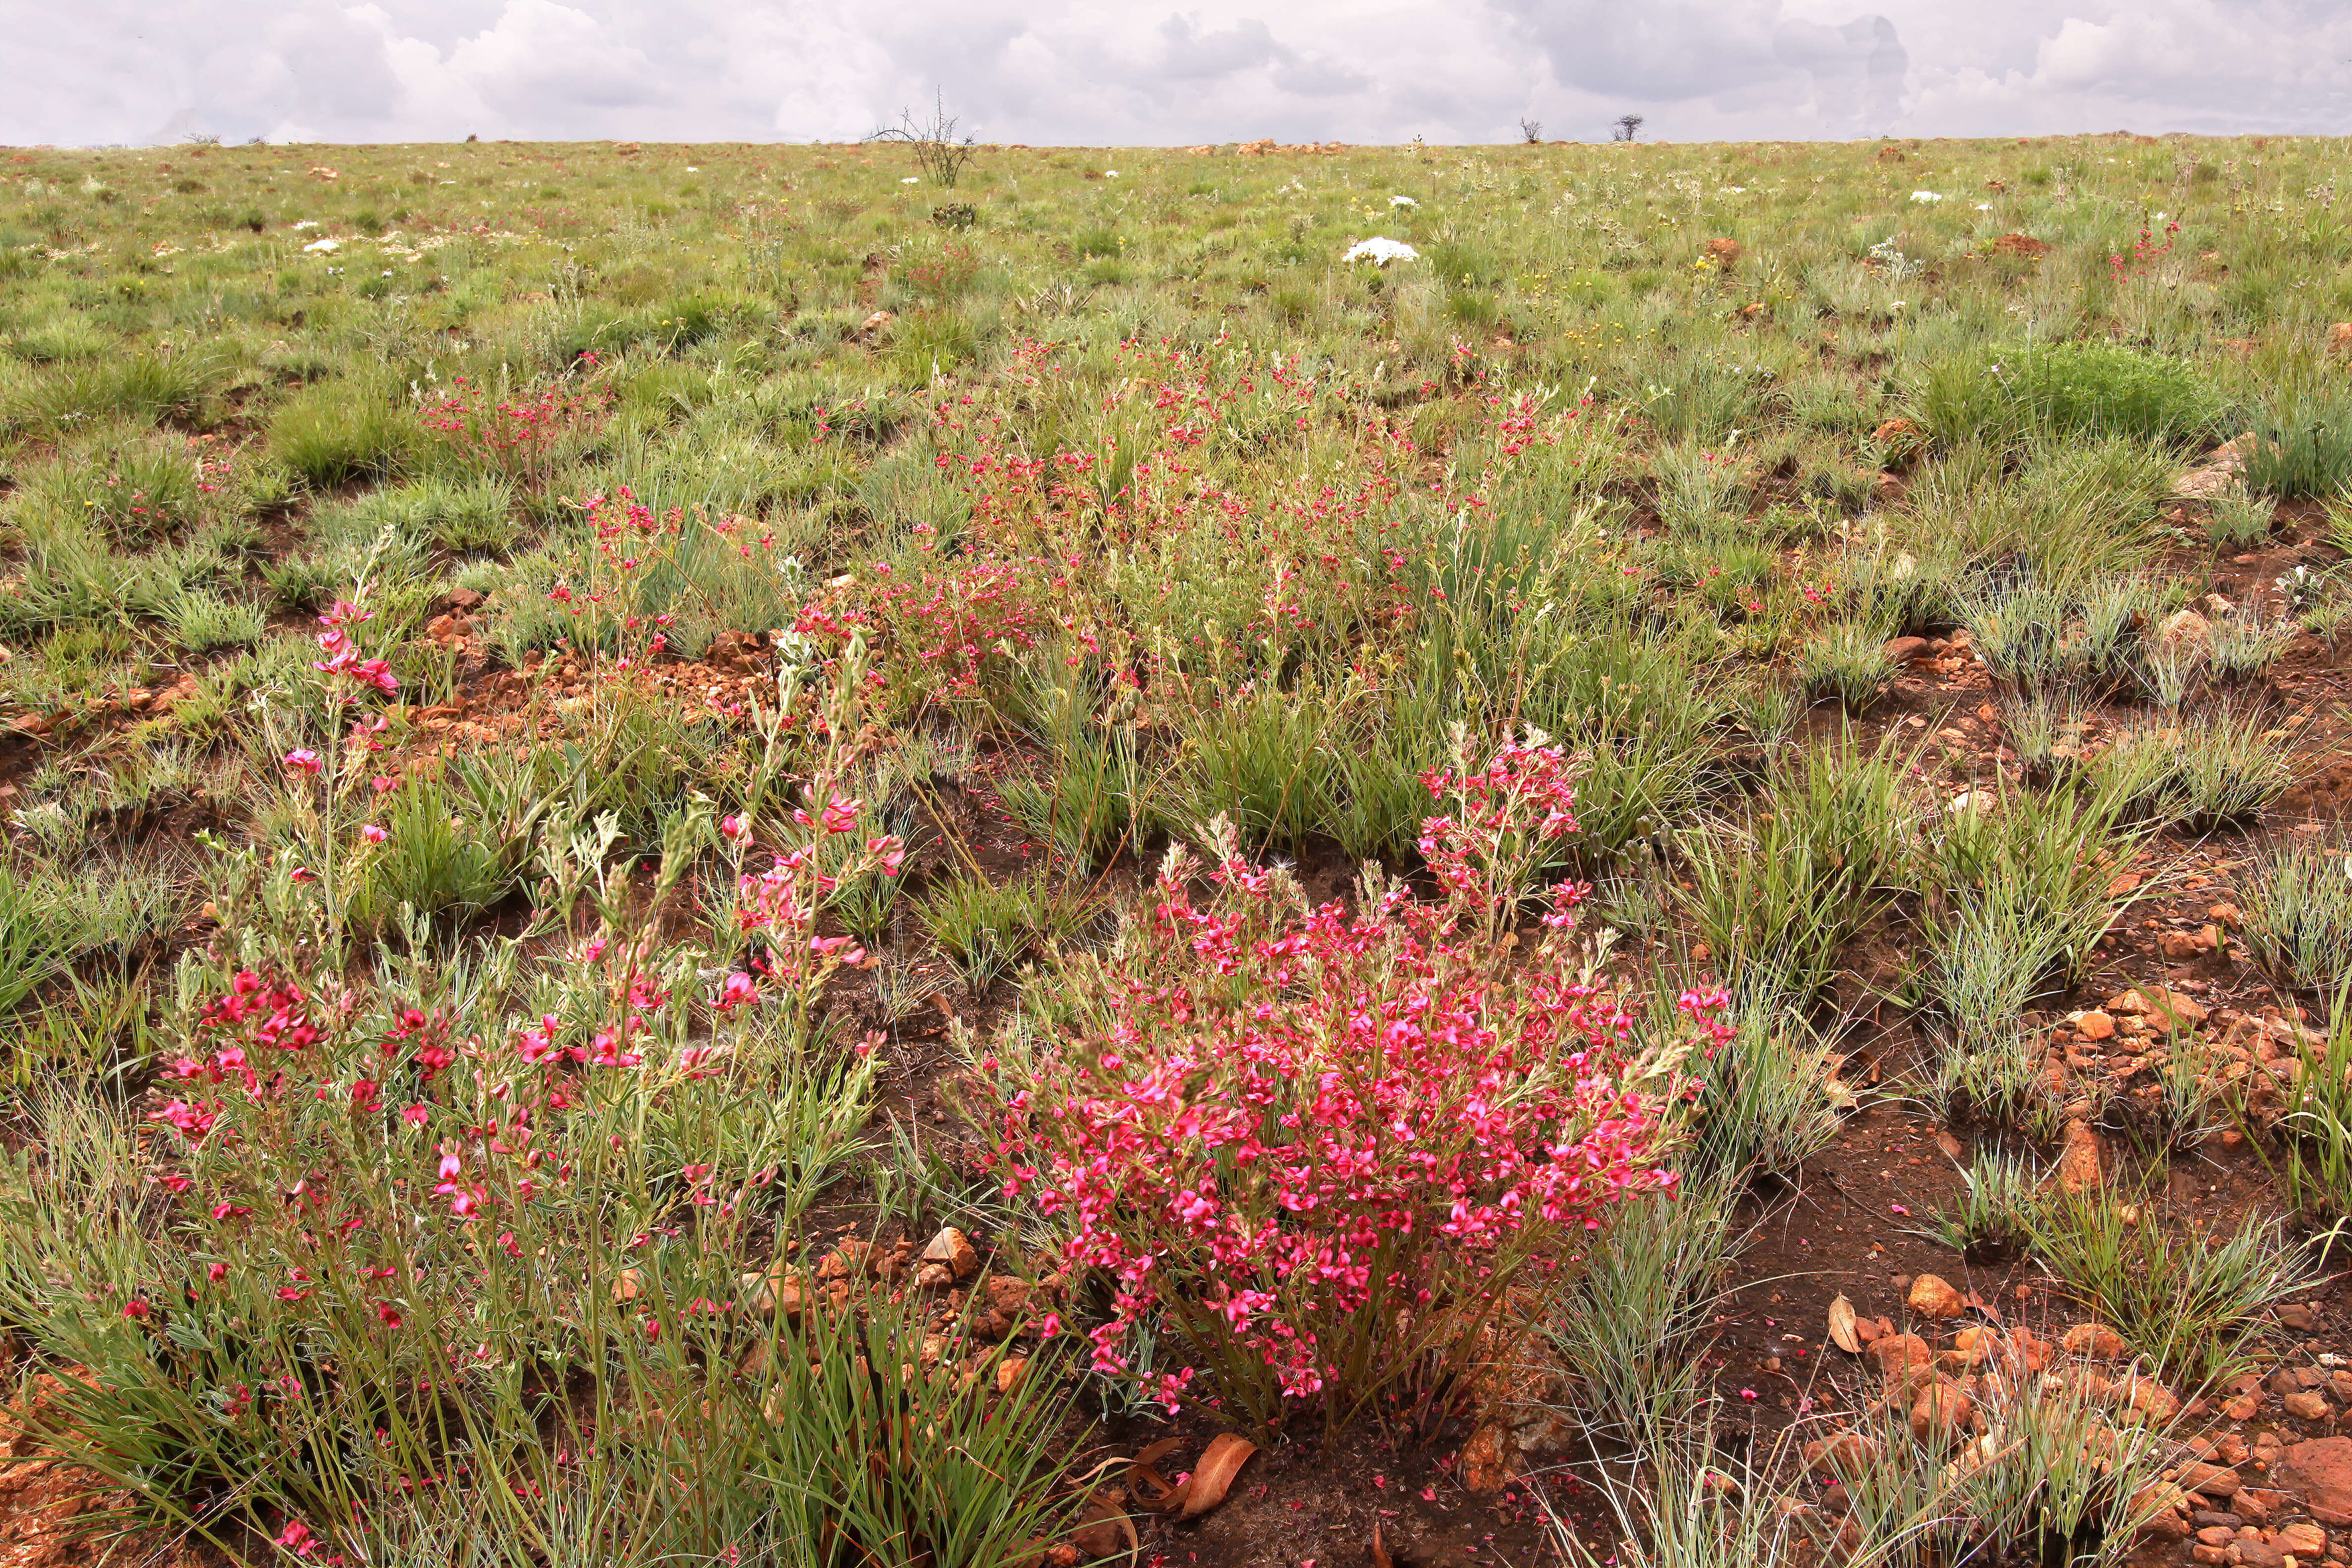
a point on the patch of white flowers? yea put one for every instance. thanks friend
(1381, 250)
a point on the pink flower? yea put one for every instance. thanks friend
(303, 759)
(192, 1120)
(737, 829)
(739, 989)
(374, 833)
(606, 1051)
(695, 1060)
(134, 1308)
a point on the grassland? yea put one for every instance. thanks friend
(662, 806)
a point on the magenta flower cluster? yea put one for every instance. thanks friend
(1321, 1144)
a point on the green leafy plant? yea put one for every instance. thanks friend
(2302, 444)
(2195, 1302)
(2215, 769)
(335, 432)
(2243, 647)
(2314, 1130)
(37, 930)
(204, 622)
(986, 927)
(2054, 1474)
(451, 844)
(1776, 897)
(1266, 760)
(1770, 1101)
(2298, 906)
(1992, 1223)
(1629, 1331)
(1847, 662)
(2004, 395)
(2031, 868)
(2235, 520)
(1991, 1072)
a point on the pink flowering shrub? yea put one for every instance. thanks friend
(1322, 1147)
(648, 583)
(522, 435)
(399, 1209)
(388, 1208)
(1500, 830)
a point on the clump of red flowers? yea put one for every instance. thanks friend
(1322, 1145)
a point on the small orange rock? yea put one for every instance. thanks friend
(2081, 1159)
(1847, 1454)
(2096, 1341)
(1932, 1296)
(1939, 1412)
(952, 1249)
(1900, 1353)
(1484, 1468)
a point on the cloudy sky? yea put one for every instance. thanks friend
(1125, 71)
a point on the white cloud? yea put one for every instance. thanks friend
(1092, 72)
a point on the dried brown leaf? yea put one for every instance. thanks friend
(1214, 1475)
(1842, 1333)
(1206, 1487)
(1151, 1489)
(1101, 1527)
(1381, 1558)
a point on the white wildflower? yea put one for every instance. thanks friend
(1381, 250)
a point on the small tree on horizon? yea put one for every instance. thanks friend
(938, 154)
(1626, 125)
